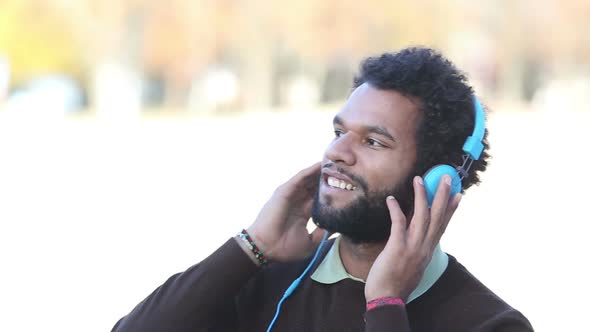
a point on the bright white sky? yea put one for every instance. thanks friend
(95, 215)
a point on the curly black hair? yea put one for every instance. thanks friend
(445, 100)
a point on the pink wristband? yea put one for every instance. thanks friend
(387, 300)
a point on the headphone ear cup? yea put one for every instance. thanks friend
(433, 177)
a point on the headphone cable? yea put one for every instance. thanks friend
(296, 282)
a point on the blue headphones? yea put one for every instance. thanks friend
(473, 147)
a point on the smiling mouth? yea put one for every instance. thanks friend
(337, 183)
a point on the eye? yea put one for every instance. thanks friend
(338, 132)
(374, 143)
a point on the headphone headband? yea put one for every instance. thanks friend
(474, 144)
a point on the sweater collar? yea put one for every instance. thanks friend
(331, 270)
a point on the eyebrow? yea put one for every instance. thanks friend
(379, 130)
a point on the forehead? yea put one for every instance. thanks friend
(369, 106)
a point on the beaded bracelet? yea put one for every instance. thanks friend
(387, 300)
(253, 247)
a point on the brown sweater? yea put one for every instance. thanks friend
(228, 292)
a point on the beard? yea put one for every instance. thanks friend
(367, 218)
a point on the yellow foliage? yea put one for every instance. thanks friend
(36, 39)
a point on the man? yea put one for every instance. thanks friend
(408, 111)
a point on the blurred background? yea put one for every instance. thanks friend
(136, 136)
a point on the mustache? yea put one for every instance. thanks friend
(356, 178)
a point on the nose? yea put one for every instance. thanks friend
(341, 150)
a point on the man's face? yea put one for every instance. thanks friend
(372, 156)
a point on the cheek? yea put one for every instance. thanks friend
(384, 183)
(387, 173)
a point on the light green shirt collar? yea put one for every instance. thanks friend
(331, 270)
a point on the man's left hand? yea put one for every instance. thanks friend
(399, 267)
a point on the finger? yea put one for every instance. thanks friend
(439, 209)
(398, 222)
(305, 175)
(311, 176)
(306, 207)
(421, 217)
(305, 180)
(451, 208)
(309, 171)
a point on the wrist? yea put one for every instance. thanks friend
(246, 250)
(251, 247)
(383, 301)
(380, 295)
(376, 293)
(261, 239)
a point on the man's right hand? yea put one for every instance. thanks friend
(280, 230)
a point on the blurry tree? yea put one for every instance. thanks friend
(37, 40)
(265, 42)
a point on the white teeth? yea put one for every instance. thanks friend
(331, 181)
(336, 183)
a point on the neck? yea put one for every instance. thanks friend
(358, 258)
